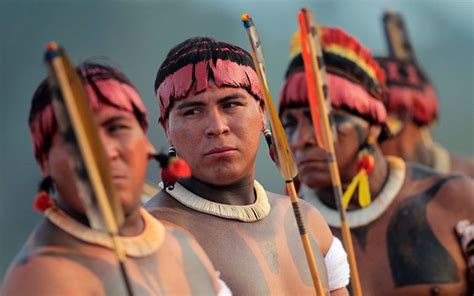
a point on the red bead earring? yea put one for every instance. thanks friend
(43, 199)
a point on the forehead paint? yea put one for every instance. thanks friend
(224, 73)
(355, 122)
(343, 94)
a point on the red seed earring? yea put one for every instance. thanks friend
(172, 168)
(43, 199)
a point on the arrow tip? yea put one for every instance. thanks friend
(52, 50)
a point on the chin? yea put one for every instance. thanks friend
(221, 178)
(316, 180)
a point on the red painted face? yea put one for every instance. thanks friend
(217, 132)
(312, 160)
(127, 149)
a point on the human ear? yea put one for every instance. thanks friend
(150, 149)
(261, 106)
(165, 126)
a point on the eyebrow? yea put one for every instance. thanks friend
(356, 120)
(288, 117)
(114, 119)
(187, 104)
(233, 96)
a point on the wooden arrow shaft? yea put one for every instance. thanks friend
(290, 187)
(285, 157)
(317, 100)
(75, 116)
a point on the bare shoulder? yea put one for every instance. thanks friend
(314, 221)
(49, 275)
(166, 209)
(284, 201)
(277, 199)
(457, 194)
(177, 231)
(462, 164)
(161, 199)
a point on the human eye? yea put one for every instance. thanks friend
(117, 127)
(189, 112)
(343, 122)
(338, 119)
(231, 104)
(341, 125)
(289, 123)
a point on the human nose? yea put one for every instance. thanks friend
(217, 124)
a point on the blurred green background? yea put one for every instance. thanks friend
(136, 36)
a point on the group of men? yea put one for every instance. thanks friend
(219, 231)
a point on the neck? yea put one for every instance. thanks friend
(238, 193)
(133, 224)
(79, 217)
(377, 180)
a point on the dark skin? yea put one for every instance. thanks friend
(462, 164)
(259, 258)
(409, 145)
(57, 263)
(417, 228)
(264, 257)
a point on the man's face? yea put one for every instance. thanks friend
(217, 132)
(311, 159)
(127, 149)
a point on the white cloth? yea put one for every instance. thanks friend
(224, 289)
(337, 266)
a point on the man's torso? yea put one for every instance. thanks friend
(258, 258)
(175, 268)
(411, 249)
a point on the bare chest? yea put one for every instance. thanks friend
(405, 253)
(259, 258)
(167, 272)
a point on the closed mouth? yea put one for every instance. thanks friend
(311, 161)
(219, 151)
(316, 165)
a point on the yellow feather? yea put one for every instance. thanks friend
(364, 191)
(346, 198)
